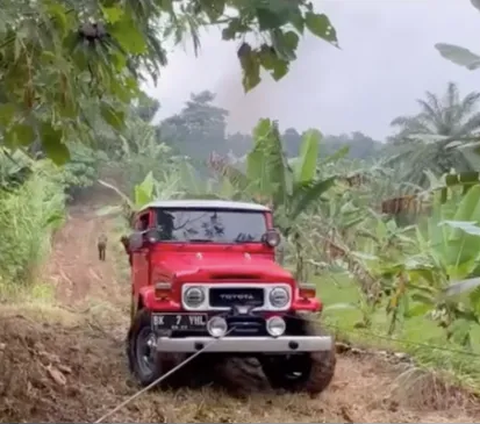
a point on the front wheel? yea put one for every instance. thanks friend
(132, 310)
(144, 361)
(308, 372)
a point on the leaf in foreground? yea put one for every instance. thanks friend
(461, 286)
(459, 55)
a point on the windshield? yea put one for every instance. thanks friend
(207, 225)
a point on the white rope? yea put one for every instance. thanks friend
(160, 379)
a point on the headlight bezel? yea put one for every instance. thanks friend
(286, 294)
(203, 297)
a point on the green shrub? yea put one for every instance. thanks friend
(28, 217)
(82, 171)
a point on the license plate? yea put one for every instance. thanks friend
(179, 322)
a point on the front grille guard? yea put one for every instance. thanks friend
(242, 319)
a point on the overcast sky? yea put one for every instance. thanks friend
(387, 60)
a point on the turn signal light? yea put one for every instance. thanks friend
(307, 291)
(163, 290)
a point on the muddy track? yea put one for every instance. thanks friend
(73, 368)
(75, 268)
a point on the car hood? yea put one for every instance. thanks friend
(211, 266)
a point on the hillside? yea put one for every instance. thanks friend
(65, 362)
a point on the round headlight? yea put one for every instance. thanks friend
(194, 297)
(279, 297)
(217, 327)
(276, 326)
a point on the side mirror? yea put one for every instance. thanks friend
(272, 238)
(152, 236)
(135, 241)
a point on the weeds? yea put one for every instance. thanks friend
(419, 337)
(29, 216)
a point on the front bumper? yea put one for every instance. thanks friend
(283, 344)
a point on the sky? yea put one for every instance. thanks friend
(386, 61)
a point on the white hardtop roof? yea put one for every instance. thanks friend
(210, 204)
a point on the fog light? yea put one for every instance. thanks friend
(276, 326)
(217, 327)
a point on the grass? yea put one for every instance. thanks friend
(420, 337)
(29, 216)
(119, 228)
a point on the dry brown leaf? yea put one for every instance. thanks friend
(57, 375)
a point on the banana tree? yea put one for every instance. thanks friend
(432, 280)
(289, 189)
(195, 187)
(367, 255)
(144, 193)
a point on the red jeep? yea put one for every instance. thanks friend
(205, 270)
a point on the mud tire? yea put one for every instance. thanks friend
(132, 311)
(141, 322)
(161, 363)
(319, 368)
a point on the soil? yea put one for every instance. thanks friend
(66, 362)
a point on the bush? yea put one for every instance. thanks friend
(82, 171)
(28, 217)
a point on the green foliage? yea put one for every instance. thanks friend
(28, 217)
(281, 24)
(425, 140)
(460, 55)
(82, 171)
(420, 337)
(291, 190)
(146, 191)
(15, 167)
(201, 128)
(418, 268)
(198, 129)
(269, 178)
(359, 145)
(146, 108)
(141, 151)
(55, 56)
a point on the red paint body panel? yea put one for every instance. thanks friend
(179, 263)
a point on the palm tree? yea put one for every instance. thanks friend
(424, 140)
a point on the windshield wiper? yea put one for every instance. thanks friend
(244, 238)
(200, 240)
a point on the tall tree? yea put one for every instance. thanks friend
(423, 139)
(146, 107)
(198, 129)
(360, 145)
(239, 144)
(292, 141)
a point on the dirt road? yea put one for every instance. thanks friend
(68, 366)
